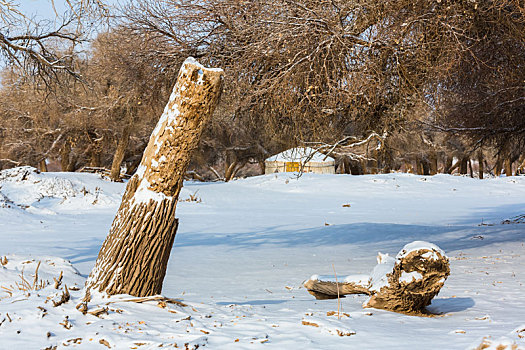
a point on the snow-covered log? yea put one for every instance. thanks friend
(134, 256)
(405, 284)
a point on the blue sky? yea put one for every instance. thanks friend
(43, 9)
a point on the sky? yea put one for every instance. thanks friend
(43, 9)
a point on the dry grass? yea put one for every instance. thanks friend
(24, 285)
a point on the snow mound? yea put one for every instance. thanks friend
(5, 202)
(13, 180)
(21, 274)
(36, 312)
(26, 188)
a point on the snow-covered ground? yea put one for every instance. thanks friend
(243, 250)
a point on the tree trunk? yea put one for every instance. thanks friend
(64, 155)
(134, 256)
(72, 165)
(463, 165)
(433, 163)
(448, 165)
(42, 165)
(95, 156)
(364, 169)
(120, 152)
(498, 167)
(405, 284)
(480, 161)
(133, 167)
(229, 172)
(419, 166)
(508, 167)
(521, 166)
(470, 169)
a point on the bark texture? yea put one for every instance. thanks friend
(412, 295)
(134, 256)
(119, 153)
(480, 164)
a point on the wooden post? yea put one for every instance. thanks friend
(134, 256)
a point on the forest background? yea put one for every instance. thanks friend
(417, 86)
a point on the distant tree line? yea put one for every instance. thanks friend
(381, 85)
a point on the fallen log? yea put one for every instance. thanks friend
(403, 284)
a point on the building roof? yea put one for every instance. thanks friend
(300, 154)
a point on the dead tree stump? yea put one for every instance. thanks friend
(405, 284)
(134, 256)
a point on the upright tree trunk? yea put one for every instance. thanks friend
(120, 152)
(480, 161)
(64, 155)
(498, 167)
(521, 165)
(42, 165)
(72, 165)
(134, 256)
(433, 163)
(95, 159)
(463, 165)
(508, 167)
(448, 164)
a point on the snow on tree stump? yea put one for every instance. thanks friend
(405, 284)
(134, 256)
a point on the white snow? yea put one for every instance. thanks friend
(360, 280)
(408, 277)
(241, 255)
(378, 277)
(418, 245)
(300, 154)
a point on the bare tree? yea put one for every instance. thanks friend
(40, 46)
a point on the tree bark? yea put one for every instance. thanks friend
(463, 166)
(72, 165)
(64, 155)
(405, 284)
(480, 161)
(508, 167)
(134, 256)
(433, 163)
(120, 152)
(521, 166)
(498, 167)
(448, 165)
(42, 165)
